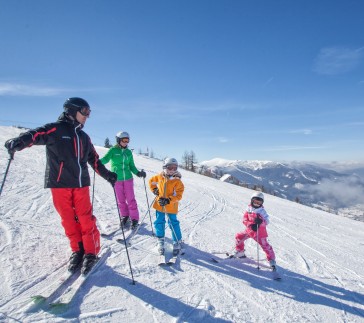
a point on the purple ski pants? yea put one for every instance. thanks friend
(126, 199)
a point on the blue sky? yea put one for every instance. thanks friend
(267, 80)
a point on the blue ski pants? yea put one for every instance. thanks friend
(173, 223)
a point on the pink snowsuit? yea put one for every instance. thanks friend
(249, 217)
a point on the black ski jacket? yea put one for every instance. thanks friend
(68, 150)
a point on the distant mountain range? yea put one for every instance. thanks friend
(311, 184)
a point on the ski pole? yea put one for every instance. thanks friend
(173, 231)
(136, 231)
(122, 229)
(150, 217)
(171, 226)
(11, 157)
(93, 191)
(258, 245)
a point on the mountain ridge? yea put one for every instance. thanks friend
(311, 184)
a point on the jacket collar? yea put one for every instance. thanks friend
(64, 117)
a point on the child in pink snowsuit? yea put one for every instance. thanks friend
(256, 220)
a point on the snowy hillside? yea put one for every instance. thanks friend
(311, 184)
(320, 257)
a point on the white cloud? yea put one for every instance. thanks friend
(14, 89)
(222, 140)
(336, 60)
(303, 131)
(340, 193)
(286, 148)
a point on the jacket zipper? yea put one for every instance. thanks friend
(78, 153)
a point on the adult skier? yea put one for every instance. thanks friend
(122, 163)
(68, 150)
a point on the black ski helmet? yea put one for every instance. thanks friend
(72, 105)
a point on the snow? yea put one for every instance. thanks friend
(252, 164)
(225, 177)
(320, 256)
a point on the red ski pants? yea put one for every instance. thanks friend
(74, 207)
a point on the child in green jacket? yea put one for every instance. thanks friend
(122, 163)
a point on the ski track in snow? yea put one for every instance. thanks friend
(319, 256)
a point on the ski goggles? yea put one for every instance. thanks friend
(171, 167)
(124, 140)
(257, 201)
(85, 111)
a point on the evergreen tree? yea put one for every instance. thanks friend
(107, 143)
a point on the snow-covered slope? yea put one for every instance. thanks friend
(320, 256)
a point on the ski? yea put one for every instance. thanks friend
(273, 271)
(173, 260)
(175, 257)
(228, 257)
(68, 295)
(130, 234)
(51, 290)
(161, 260)
(126, 227)
(110, 234)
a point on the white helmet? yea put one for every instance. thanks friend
(120, 135)
(170, 161)
(257, 196)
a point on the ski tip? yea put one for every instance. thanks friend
(214, 260)
(38, 299)
(121, 240)
(58, 308)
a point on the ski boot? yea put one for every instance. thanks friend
(272, 264)
(89, 261)
(134, 224)
(75, 261)
(177, 247)
(161, 246)
(125, 222)
(239, 254)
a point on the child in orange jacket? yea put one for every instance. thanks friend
(168, 188)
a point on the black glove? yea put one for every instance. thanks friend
(258, 220)
(112, 178)
(156, 191)
(142, 173)
(254, 227)
(163, 201)
(13, 145)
